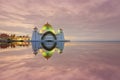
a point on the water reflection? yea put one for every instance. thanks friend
(47, 49)
(80, 61)
(4, 45)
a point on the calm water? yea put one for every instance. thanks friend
(72, 61)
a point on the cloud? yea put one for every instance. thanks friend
(77, 15)
(13, 32)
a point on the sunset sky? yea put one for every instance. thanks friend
(80, 19)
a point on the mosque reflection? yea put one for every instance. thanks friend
(47, 49)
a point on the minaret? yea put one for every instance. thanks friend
(35, 28)
(35, 34)
(60, 35)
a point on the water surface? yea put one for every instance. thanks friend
(78, 61)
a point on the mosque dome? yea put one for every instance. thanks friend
(47, 27)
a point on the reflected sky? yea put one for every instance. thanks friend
(78, 61)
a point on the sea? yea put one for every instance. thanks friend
(80, 60)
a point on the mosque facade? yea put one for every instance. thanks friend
(47, 33)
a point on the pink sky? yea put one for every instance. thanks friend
(80, 19)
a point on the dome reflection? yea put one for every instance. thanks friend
(47, 49)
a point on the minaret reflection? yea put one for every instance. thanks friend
(47, 49)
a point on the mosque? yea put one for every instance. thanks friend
(47, 33)
(47, 41)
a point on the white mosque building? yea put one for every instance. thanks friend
(47, 33)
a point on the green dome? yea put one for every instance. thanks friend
(47, 27)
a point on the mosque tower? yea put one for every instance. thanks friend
(35, 35)
(60, 35)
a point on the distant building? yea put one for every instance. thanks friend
(24, 37)
(47, 33)
(4, 36)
